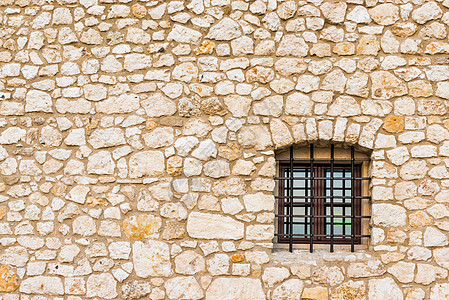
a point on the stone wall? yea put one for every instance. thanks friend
(138, 142)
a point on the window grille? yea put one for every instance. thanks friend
(320, 200)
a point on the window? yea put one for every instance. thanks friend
(322, 197)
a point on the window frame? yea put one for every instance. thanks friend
(319, 206)
(332, 159)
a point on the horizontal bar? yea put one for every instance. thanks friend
(307, 204)
(321, 235)
(322, 197)
(322, 159)
(321, 216)
(305, 223)
(323, 178)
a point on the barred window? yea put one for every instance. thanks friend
(322, 197)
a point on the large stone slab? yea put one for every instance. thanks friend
(235, 289)
(151, 258)
(212, 226)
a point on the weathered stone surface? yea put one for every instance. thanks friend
(385, 85)
(102, 285)
(125, 103)
(394, 124)
(344, 106)
(239, 106)
(157, 105)
(384, 288)
(389, 215)
(38, 101)
(225, 30)
(334, 12)
(103, 138)
(146, 163)
(385, 14)
(427, 274)
(366, 269)
(441, 255)
(428, 11)
(317, 293)
(439, 291)
(151, 258)
(289, 289)
(189, 263)
(184, 34)
(141, 226)
(9, 281)
(135, 289)
(100, 163)
(434, 237)
(254, 136)
(350, 290)
(183, 288)
(43, 285)
(403, 271)
(213, 226)
(291, 45)
(84, 225)
(235, 289)
(16, 256)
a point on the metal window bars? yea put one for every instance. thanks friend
(320, 200)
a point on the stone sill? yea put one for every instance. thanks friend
(301, 254)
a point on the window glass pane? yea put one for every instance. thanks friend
(301, 186)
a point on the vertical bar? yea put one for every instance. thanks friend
(290, 246)
(312, 198)
(332, 198)
(306, 206)
(344, 200)
(352, 199)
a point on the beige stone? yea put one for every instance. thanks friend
(223, 227)
(141, 226)
(235, 288)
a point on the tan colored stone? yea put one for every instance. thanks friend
(230, 152)
(394, 124)
(419, 219)
(139, 11)
(173, 230)
(368, 45)
(150, 124)
(174, 166)
(385, 85)
(351, 290)
(94, 201)
(259, 74)
(206, 47)
(237, 257)
(420, 88)
(385, 14)
(315, 293)
(141, 226)
(344, 48)
(9, 281)
(403, 29)
(366, 269)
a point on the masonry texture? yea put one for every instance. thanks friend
(138, 141)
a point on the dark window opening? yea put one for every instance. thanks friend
(320, 200)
